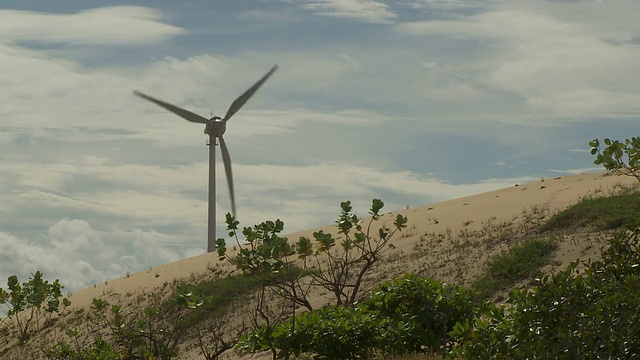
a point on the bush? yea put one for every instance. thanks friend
(152, 332)
(418, 313)
(589, 314)
(332, 332)
(340, 264)
(407, 315)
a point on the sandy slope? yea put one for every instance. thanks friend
(416, 248)
(504, 204)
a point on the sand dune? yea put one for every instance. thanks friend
(552, 194)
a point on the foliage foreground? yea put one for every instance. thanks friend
(406, 315)
(588, 311)
(591, 310)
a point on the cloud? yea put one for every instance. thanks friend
(319, 188)
(116, 25)
(80, 256)
(576, 171)
(72, 251)
(267, 15)
(47, 96)
(557, 65)
(363, 10)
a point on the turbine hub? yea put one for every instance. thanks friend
(215, 127)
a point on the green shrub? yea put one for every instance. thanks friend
(592, 313)
(407, 315)
(332, 332)
(337, 264)
(417, 313)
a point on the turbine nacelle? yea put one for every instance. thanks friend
(216, 126)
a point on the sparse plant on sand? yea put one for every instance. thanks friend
(31, 304)
(339, 269)
(519, 262)
(150, 332)
(214, 338)
(360, 248)
(132, 332)
(265, 255)
(335, 264)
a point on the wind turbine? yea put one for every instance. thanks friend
(215, 128)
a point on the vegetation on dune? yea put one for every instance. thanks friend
(517, 263)
(30, 305)
(406, 315)
(590, 310)
(597, 214)
(214, 296)
(337, 265)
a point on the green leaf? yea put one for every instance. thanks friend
(376, 206)
(345, 206)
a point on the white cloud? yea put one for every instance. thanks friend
(319, 188)
(145, 194)
(74, 254)
(44, 92)
(454, 91)
(79, 256)
(362, 10)
(576, 171)
(267, 15)
(558, 66)
(116, 25)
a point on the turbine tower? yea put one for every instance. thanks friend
(215, 128)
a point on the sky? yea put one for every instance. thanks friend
(409, 101)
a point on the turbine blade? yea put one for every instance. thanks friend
(185, 114)
(242, 99)
(226, 159)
